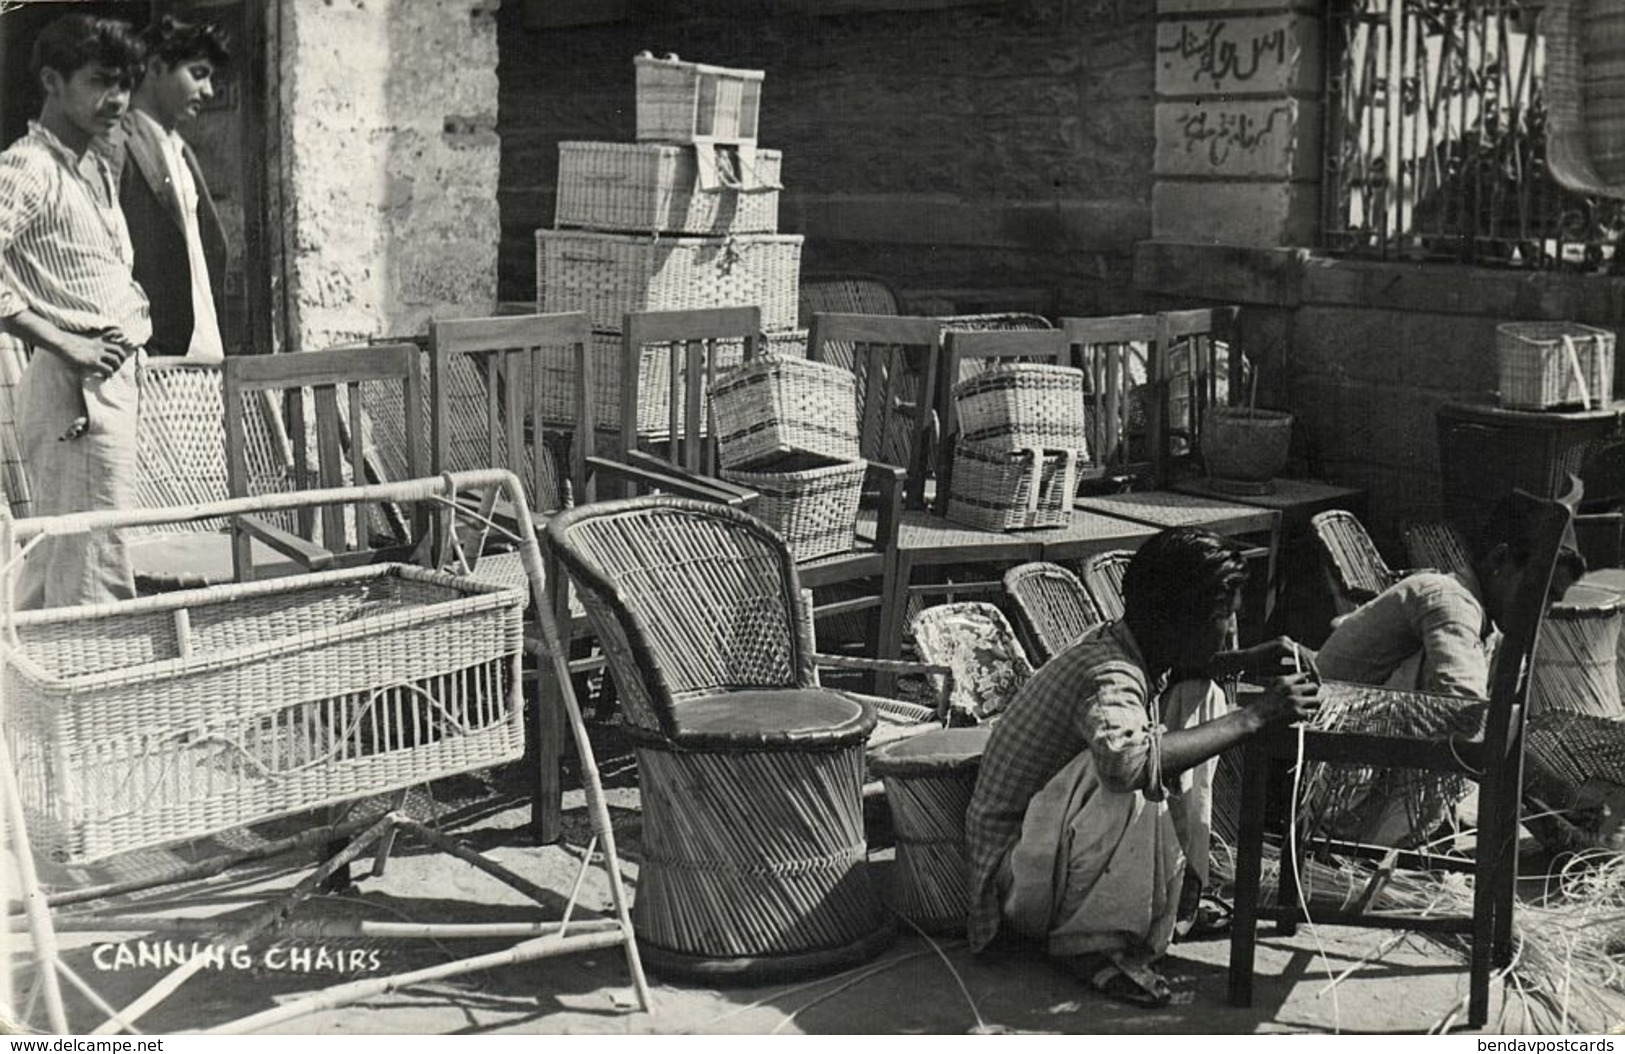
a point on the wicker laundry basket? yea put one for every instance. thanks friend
(1022, 405)
(1545, 364)
(811, 501)
(781, 405)
(176, 716)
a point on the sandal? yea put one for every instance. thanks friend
(1118, 979)
(1210, 918)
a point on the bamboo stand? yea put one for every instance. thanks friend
(544, 939)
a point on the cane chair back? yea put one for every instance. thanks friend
(1103, 581)
(1120, 359)
(1376, 729)
(1202, 366)
(1355, 569)
(686, 598)
(1439, 545)
(976, 642)
(895, 360)
(847, 294)
(321, 397)
(1053, 604)
(691, 348)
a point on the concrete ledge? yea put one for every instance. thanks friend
(1234, 273)
(1097, 226)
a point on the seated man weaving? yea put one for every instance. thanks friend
(1429, 632)
(1094, 796)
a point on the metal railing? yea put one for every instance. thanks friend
(1435, 140)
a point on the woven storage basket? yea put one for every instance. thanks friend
(1546, 364)
(607, 275)
(656, 187)
(1000, 490)
(176, 716)
(1019, 406)
(779, 405)
(654, 378)
(810, 501)
(681, 102)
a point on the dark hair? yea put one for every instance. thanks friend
(1178, 578)
(73, 42)
(177, 41)
(1512, 522)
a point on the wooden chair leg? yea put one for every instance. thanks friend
(1249, 874)
(547, 733)
(1286, 877)
(890, 630)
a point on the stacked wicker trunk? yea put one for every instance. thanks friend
(1017, 448)
(686, 217)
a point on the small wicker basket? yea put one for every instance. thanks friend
(1000, 490)
(1546, 364)
(811, 502)
(778, 405)
(685, 102)
(1019, 406)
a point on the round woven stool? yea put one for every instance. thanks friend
(929, 779)
(1576, 663)
(755, 866)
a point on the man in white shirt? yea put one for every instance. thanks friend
(180, 248)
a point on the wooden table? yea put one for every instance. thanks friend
(927, 540)
(1162, 509)
(1303, 609)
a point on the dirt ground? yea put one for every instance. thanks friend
(918, 986)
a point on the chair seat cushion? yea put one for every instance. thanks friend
(771, 719)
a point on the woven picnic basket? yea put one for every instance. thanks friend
(811, 501)
(176, 716)
(1017, 406)
(647, 187)
(608, 275)
(1546, 364)
(686, 102)
(778, 405)
(1001, 490)
(557, 404)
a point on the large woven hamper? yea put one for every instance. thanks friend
(1022, 405)
(999, 490)
(646, 187)
(781, 405)
(1546, 364)
(608, 275)
(811, 502)
(557, 404)
(175, 716)
(684, 102)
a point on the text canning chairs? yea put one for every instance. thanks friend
(1121, 364)
(320, 395)
(1054, 606)
(1494, 758)
(750, 772)
(1355, 569)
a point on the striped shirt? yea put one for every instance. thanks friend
(65, 251)
(1093, 696)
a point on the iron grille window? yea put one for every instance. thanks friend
(1435, 146)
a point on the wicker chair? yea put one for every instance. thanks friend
(975, 642)
(1103, 581)
(751, 773)
(1355, 570)
(1054, 606)
(856, 294)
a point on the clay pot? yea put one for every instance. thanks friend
(1244, 444)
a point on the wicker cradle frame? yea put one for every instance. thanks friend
(754, 853)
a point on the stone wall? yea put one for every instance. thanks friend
(389, 160)
(983, 158)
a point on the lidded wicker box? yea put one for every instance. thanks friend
(1545, 364)
(1017, 406)
(175, 716)
(1002, 490)
(647, 187)
(811, 501)
(778, 405)
(608, 275)
(686, 102)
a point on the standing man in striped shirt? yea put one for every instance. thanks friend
(68, 291)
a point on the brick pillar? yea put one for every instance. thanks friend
(1238, 115)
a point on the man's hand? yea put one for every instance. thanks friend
(1288, 699)
(1264, 660)
(97, 356)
